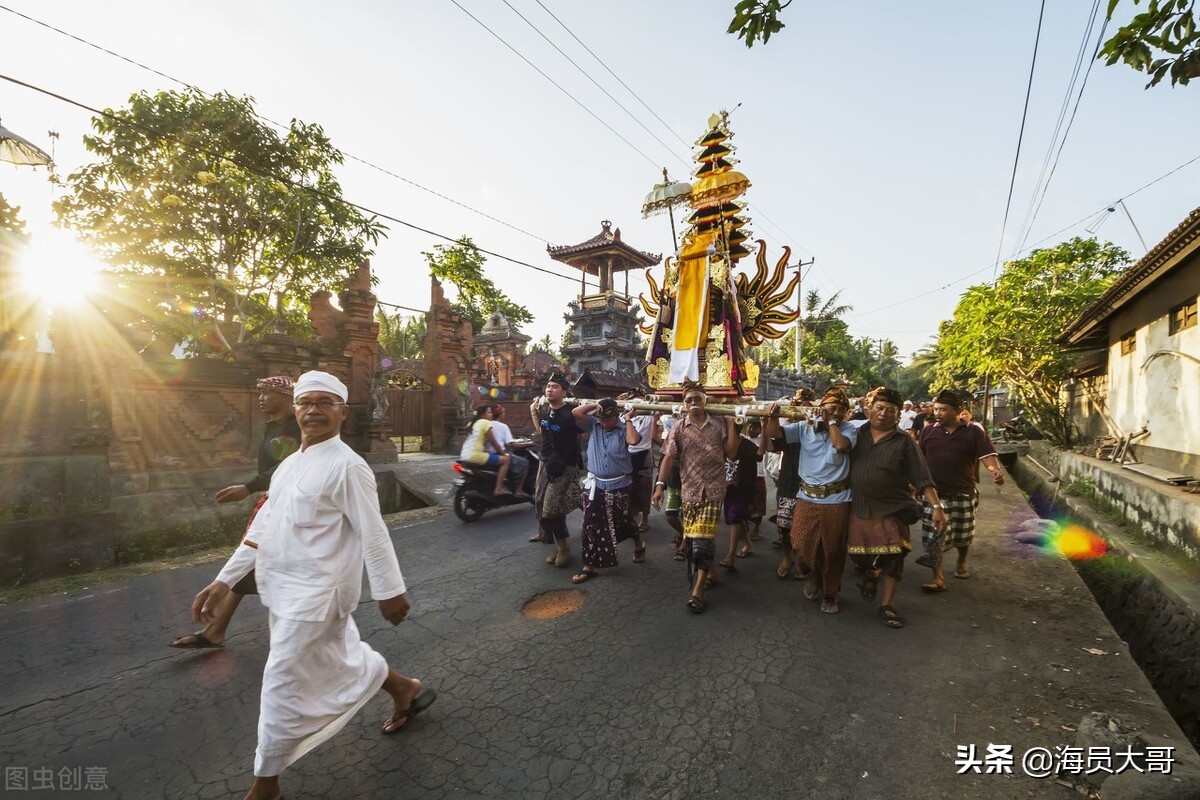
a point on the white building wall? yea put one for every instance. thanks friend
(1158, 386)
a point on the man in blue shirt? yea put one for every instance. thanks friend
(822, 510)
(608, 486)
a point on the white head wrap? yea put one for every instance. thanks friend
(317, 381)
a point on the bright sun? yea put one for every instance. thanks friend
(59, 270)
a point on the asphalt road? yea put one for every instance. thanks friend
(631, 696)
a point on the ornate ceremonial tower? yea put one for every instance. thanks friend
(705, 313)
(603, 322)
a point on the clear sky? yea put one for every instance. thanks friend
(879, 136)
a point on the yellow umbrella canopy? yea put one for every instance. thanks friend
(719, 187)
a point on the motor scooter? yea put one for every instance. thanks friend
(473, 492)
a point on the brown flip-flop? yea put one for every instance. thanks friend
(422, 701)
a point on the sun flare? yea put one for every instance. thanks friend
(58, 270)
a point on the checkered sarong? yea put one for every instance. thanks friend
(700, 519)
(960, 523)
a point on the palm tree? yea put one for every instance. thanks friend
(546, 345)
(817, 314)
(400, 337)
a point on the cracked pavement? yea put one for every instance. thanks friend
(629, 697)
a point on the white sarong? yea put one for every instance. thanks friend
(318, 675)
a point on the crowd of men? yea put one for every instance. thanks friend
(849, 486)
(846, 488)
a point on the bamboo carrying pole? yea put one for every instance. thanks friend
(755, 409)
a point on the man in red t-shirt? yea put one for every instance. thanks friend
(953, 449)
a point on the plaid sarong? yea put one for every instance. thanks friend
(960, 519)
(700, 519)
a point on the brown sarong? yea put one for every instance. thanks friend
(871, 538)
(819, 539)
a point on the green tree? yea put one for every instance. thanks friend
(10, 217)
(756, 20)
(215, 222)
(13, 315)
(1009, 331)
(400, 337)
(1162, 40)
(461, 264)
(914, 379)
(546, 345)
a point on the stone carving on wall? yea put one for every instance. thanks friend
(205, 415)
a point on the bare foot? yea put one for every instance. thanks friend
(264, 789)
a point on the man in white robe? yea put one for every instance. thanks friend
(308, 545)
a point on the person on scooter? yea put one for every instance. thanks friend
(474, 452)
(508, 446)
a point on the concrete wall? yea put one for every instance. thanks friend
(1156, 385)
(1162, 513)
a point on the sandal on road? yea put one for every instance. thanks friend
(933, 588)
(729, 565)
(639, 555)
(890, 617)
(397, 720)
(829, 606)
(783, 571)
(964, 575)
(198, 642)
(583, 576)
(695, 605)
(745, 551)
(812, 591)
(867, 587)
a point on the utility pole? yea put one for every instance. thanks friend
(800, 307)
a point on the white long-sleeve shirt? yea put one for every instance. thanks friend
(319, 527)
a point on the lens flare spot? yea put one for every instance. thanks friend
(1078, 543)
(441, 380)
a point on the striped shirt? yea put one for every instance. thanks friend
(881, 472)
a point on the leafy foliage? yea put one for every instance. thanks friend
(1162, 40)
(755, 20)
(1009, 330)
(546, 345)
(462, 265)
(829, 352)
(10, 217)
(220, 226)
(400, 337)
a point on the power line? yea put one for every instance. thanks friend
(576, 100)
(268, 120)
(1020, 137)
(1067, 132)
(1095, 217)
(557, 85)
(587, 75)
(1026, 222)
(610, 72)
(282, 178)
